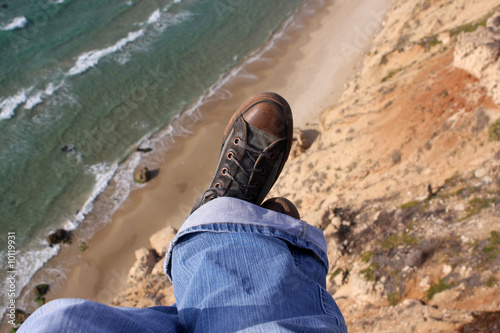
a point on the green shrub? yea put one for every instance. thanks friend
(494, 131)
(437, 288)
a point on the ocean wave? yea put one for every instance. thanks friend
(17, 23)
(155, 17)
(10, 104)
(103, 174)
(90, 59)
(38, 96)
(161, 20)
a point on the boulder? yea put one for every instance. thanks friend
(59, 236)
(478, 53)
(42, 289)
(161, 239)
(143, 266)
(142, 175)
(302, 140)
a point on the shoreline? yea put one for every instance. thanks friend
(100, 272)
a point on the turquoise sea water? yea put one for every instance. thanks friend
(84, 82)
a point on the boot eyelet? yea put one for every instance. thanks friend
(263, 171)
(256, 185)
(218, 185)
(236, 141)
(273, 156)
(230, 155)
(224, 171)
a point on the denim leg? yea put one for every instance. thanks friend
(78, 315)
(231, 281)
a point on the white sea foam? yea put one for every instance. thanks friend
(28, 262)
(10, 104)
(103, 174)
(34, 99)
(155, 17)
(38, 96)
(90, 59)
(17, 23)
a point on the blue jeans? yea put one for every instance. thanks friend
(235, 267)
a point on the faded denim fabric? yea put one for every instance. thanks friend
(235, 267)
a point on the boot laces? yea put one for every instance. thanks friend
(253, 153)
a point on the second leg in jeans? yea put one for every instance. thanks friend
(225, 282)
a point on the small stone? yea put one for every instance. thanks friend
(336, 222)
(414, 258)
(444, 37)
(424, 283)
(339, 279)
(447, 269)
(480, 173)
(459, 207)
(487, 180)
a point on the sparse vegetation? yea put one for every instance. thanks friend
(391, 74)
(476, 205)
(369, 273)
(494, 131)
(393, 298)
(429, 42)
(492, 250)
(469, 27)
(83, 246)
(434, 289)
(337, 272)
(393, 241)
(366, 256)
(491, 282)
(410, 204)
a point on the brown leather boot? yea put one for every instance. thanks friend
(283, 206)
(255, 146)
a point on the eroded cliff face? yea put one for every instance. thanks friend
(403, 176)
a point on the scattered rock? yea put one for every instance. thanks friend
(42, 289)
(161, 239)
(143, 266)
(445, 38)
(158, 269)
(59, 236)
(67, 148)
(493, 25)
(480, 173)
(20, 316)
(414, 258)
(142, 175)
(302, 140)
(396, 156)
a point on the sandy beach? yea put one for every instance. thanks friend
(309, 66)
